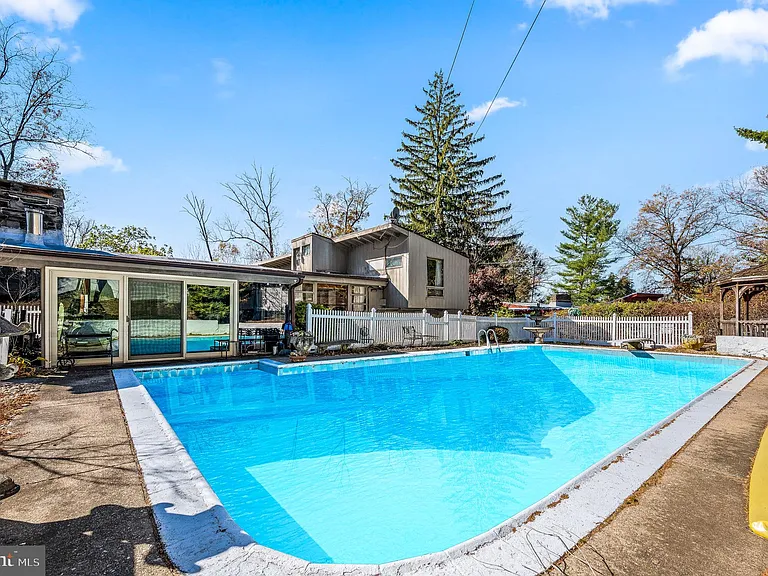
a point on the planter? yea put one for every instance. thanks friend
(297, 358)
(693, 342)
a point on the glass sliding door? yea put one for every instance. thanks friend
(87, 316)
(208, 316)
(155, 317)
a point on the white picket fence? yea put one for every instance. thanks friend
(386, 328)
(24, 313)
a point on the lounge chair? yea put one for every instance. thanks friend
(638, 344)
(411, 335)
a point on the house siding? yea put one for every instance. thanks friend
(455, 271)
(369, 260)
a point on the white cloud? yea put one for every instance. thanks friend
(74, 53)
(222, 71)
(732, 36)
(593, 8)
(51, 13)
(522, 26)
(500, 103)
(75, 161)
(754, 146)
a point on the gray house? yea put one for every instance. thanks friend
(387, 267)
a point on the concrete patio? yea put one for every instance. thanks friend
(82, 494)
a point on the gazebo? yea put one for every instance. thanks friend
(744, 322)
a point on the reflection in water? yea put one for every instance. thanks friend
(436, 451)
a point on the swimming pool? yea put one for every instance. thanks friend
(376, 461)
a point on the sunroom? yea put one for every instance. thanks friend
(98, 307)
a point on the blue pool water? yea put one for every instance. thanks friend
(376, 463)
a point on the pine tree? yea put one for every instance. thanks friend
(443, 192)
(758, 136)
(585, 254)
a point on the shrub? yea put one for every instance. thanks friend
(502, 334)
(301, 314)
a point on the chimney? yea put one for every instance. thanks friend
(34, 226)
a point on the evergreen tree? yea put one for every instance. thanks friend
(759, 136)
(616, 287)
(585, 254)
(443, 192)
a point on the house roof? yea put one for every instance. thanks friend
(641, 297)
(277, 261)
(353, 239)
(752, 274)
(63, 252)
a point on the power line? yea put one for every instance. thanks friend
(530, 28)
(456, 55)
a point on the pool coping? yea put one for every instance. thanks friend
(199, 535)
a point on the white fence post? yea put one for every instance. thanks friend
(554, 328)
(446, 326)
(614, 328)
(690, 323)
(372, 329)
(5, 342)
(309, 317)
(424, 321)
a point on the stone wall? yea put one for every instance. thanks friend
(743, 346)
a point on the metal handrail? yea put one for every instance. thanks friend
(488, 338)
(495, 339)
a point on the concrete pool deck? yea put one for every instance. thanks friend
(82, 494)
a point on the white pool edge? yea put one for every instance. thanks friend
(199, 535)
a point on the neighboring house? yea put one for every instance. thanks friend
(154, 308)
(386, 267)
(641, 297)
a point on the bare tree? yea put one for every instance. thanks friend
(342, 212)
(746, 205)
(201, 213)
(665, 241)
(38, 108)
(19, 284)
(254, 194)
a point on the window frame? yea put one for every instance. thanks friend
(436, 290)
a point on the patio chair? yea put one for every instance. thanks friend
(365, 336)
(410, 334)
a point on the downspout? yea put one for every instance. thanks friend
(292, 298)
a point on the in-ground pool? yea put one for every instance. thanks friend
(377, 461)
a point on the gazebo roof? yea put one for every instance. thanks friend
(753, 275)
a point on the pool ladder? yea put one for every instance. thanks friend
(487, 334)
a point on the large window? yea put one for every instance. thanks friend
(262, 302)
(333, 296)
(435, 280)
(359, 298)
(307, 293)
(394, 262)
(208, 316)
(88, 311)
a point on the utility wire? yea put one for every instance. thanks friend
(530, 28)
(456, 55)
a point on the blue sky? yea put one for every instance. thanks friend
(616, 97)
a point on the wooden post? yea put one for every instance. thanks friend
(309, 317)
(738, 311)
